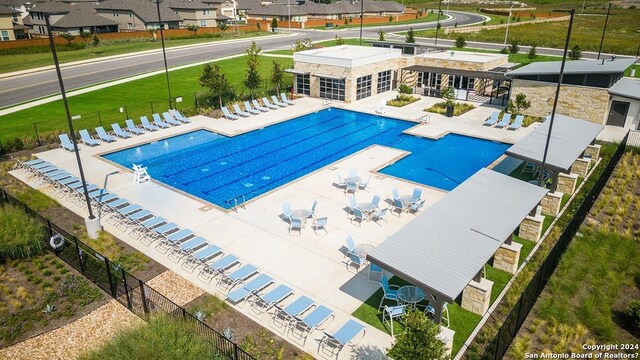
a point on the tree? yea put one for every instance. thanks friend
(85, 35)
(521, 103)
(514, 47)
(274, 23)
(419, 341)
(575, 53)
(460, 42)
(390, 18)
(223, 26)
(96, 40)
(217, 83)
(193, 28)
(258, 25)
(380, 35)
(67, 36)
(532, 54)
(449, 95)
(277, 76)
(410, 36)
(253, 79)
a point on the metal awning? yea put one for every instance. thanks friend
(445, 247)
(297, 72)
(468, 73)
(569, 139)
(333, 77)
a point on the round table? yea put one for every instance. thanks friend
(408, 199)
(367, 206)
(300, 214)
(410, 294)
(353, 179)
(363, 249)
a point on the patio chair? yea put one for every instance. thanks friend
(248, 107)
(355, 260)
(350, 245)
(379, 215)
(257, 105)
(353, 205)
(285, 315)
(266, 103)
(218, 267)
(66, 143)
(284, 99)
(277, 101)
(417, 206)
(306, 325)
(382, 108)
(173, 237)
(430, 311)
(375, 269)
(313, 208)
(202, 256)
(102, 134)
(286, 211)
(295, 224)
(178, 116)
(147, 125)
(158, 121)
(261, 304)
(341, 182)
(351, 188)
(320, 223)
(119, 132)
(390, 292)
(87, 139)
(364, 185)
(395, 194)
(417, 194)
(191, 245)
(359, 216)
(517, 123)
(506, 118)
(391, 313)
(228, 114)
(169, 119)
(375, 200)
(398, 206)
(133, 128)
(239, 276)
(529, 168)
(252, 287)
(239, 111)
(353, 172)
(341, 338)
(492, 120)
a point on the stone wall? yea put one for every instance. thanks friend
(550, 203)
(567, 183)
(531, 228)
(461, 64)
(507, 257)
(580, 167)
(582, 102)
(476, 297)
(593, 151)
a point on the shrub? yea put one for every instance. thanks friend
(633, 313)
(96, 40)
(405, 89)
(514, 47)
(419, 340)
(458, 108)
(504, 50)
(274, 23)
(410, 36)
(380, 35)
(339, 41)
(575, 53)
(21, 236)
(532, 52)
(402, 100)
(461, 42)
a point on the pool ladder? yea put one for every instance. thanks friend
(233, 203)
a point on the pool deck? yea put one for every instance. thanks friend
(313, 265)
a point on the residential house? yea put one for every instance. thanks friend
(7, 16)
(194, 12)
(228, 8)
(138, 14)
(65, 18)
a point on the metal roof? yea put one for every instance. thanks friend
(494, 75)
(404, 44)
(569, 138)
(446, 246)
(627, 87)
(607, 66)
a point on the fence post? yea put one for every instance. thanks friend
(495, 353)
(37, 135)
(1, 148)
(79, 253)
(143, 295)
(126, 289)
(151, 102)
(99, 118)
(195, 100)
(236, 355)
(126, 112)
(111, 284)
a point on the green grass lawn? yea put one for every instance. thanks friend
(521, 58)
(138, 96)
(27, 61)
(628, 72)
(428, 18)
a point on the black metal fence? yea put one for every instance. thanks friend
(138, 297)
(498, 347)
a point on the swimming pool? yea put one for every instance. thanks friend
(217, 168)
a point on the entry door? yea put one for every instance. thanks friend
(618, 113)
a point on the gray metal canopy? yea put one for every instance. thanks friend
(445, 247)
(569, 139)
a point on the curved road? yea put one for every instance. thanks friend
(19, 89)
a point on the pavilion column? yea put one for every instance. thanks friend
(566, 183)
(507, 257)
(551, 202)
(531, 226)
(476, 296)
(580, 167)
(438, 304)
(593, 151)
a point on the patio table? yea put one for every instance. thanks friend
(300, 214)
(367, 206)
(353, 179)
(411, 295)
(408, 199)
(363, 249)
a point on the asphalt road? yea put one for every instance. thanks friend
(27, 87)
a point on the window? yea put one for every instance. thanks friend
(332, 89)
(114, 13)
(384, 81)
(206, 12)
(363, 87)
(203, 23)
(303, 84)
(129, 26)
(4, 35)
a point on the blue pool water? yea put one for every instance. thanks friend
(218, 168)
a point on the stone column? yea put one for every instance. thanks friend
(593, 151)
(551, 202)
(531, 227)
(580, 167)
(567, 183)
(507, 257)
(476, 297)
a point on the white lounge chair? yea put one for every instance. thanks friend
(284, 99)
(492, 120)
(266, 103)
(133, 128)
(169, 119)
(257, 105)
(66, 143)
(239, 111)
(228, 114)
(506, 118)
(120, 132)
(250, 109)
(277, 102)
(87, 139)
(158, 121)
(176, 114)
(517, 123)
(102, 134)
(147, 125)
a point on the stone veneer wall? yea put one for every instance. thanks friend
(567, 183)
(580, 167)
(583, 102)
(551, 202)
(460, 64)
(476, 297)
(531, 228)
(507, 257)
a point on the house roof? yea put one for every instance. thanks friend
(146, 10)
(626, 87)
(189, 5)
(52, 7)
(310, 8)
(445, 247)
(575, 67)
(5, 10)
(277, 10)
(12, 2)
(80, 18)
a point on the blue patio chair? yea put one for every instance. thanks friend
(355, 260)
(102, 134)
(147, 125)
(351, 188)
(320, 223)
(238, 276)
(277, 101)
(284, 316)
(359, 216)
(260, 304)
(391, 313)
(169, 119)
(257, 105)
(341, 182)
(353, 205)
(252, 287)
(417, 206)
(295, 224)
(284, 99)
(219, 266)
(65, 143)
(375, 200)
(517, 123)
(364, 185)
(202, 256)
(430, 311)
(239, 111)
(119, 132)
(351, 247)
(353, 172)
(266, 103)
(313, 208)
(342, 337)
(158, 121)
(417, 194)
(390, 292)
(176, 114)
(190, 246)
(133, 128)
(375, 269)
(248, 107)
(398, 206)
(310, 322)
(394, 191)
(506, 118)
(228, 114)
(379, 215)
(87, 139)
(493, 119)
(286, 211)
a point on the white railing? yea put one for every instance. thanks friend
(634, 138)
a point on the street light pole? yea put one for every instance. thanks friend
(606, 21)
(506, 34)
(438, 22)
(555, 100)
(164, 52)
(361, 19)
(93, 224)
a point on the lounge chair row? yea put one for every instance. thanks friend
(256, 108)
(505, 122)
(171, 118)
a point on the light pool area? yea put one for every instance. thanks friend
(217, 168)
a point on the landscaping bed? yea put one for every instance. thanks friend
(402, 100)
(458, 108)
